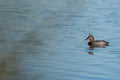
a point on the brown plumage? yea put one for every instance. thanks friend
(96, 43)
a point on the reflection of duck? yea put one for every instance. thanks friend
(91, 53)
(96, 43)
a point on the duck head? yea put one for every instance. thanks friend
(90, 38)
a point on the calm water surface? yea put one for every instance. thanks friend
(44, 39)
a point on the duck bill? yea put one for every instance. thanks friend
(86, 38)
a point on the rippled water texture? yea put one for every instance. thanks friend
(44, 39)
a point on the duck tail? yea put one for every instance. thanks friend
(107, 43)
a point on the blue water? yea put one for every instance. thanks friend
(45, 39)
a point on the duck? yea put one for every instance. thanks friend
(96, 43)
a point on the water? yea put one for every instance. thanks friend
(44, 39)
